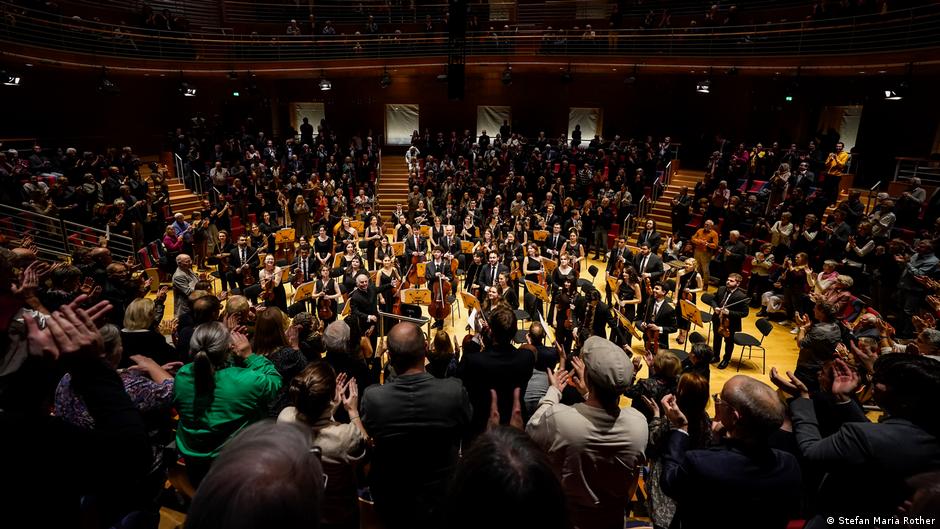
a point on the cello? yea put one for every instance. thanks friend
(439, 307)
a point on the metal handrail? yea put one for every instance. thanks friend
(871, 192)
(197, 183)
(58, 238)
(179, 168)
(915, 28)
(925, 169)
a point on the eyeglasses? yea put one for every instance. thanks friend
(719, 402)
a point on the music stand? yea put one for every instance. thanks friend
(690, 312)
(425, 231)
(336, 260)
(398, 248)
(612, 283)
(422, 269)
(537, 290)
(549, 265)
(466, 246)
(628, 325)
(539, 235)
(358, 225)
(284, 236)
(470, 302)
(303, 292)
(416, 296)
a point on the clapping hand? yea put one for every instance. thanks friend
(515, 420)
(792, 386)
(240, 345)
(845, 380)
(578, 380)
(68, 332)
(673, 413)
(652, 405)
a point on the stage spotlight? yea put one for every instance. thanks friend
(187, 90)
(896, 93)
(386, 79)
(10, 79)
(704, 87)
(507, 76)
(325, 83)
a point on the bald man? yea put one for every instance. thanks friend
(749, 412)
(418, 420)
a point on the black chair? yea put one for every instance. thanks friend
(519, 338)
(746, 341)
(522, 317)
(708, 299)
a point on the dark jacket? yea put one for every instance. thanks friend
(501, 368)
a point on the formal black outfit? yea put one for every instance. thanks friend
(489, 276)
(663, 317)
(736, 303)
(653, 238)
(306, 268)
(616, 254)
(323, 250)
(430, 273)
(417, 422)
(552, 245)
(687, 282)
(415, 243)
(364, 303)
(241, 256)
(533, 304)
(562, 302)
(601, 318)
(866, 463)
(498, 368)
(769, 479)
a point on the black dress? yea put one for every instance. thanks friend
(330, 289)
(323, 249)
(372, 245)
(533, 304)
(686, 282)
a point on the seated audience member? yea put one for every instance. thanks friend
(867, 463)
(817, 343)
(417, 422)
(247, 487)
(505, 481)
(218, 394)
(743, 466)
(596, 447)
(315, 394)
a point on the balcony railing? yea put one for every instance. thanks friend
(912, 29)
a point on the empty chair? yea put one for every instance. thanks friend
(749, 342)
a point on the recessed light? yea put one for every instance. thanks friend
(882, 71)
(863, 72)
(29, 64)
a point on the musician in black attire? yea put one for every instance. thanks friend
(565, 300)
(222, 258)
(554, 242)
(242, 259)
(473, 272)
(330, 289)
(648, 265)
(305, 265)
(658, 314)
(450, 245)
(618, 254)
(437, 270)
(363, 304)
(416, 245)
(599, 315)
(730, 301)
(489, 273)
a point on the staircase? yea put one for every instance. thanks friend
(662, 209)
(182, 200)
(393, 183)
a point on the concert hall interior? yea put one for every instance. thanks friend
(418, 264)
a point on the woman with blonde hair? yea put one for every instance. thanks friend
(303, 229)
(140, 336)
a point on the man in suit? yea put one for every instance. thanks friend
(600, 314)
(745, 467)
(648, 265)
(731, 302)
(659, 315)
(489, 273)
(802, 178)
(450, 243)
(363, 304)
(417, 422)
(867, 463)
(730, 255)
(305, 264)
(184, 282)
(241, 258)
(416, 245)
(436, 270)
(554, 242)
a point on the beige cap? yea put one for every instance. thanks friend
(606, 363)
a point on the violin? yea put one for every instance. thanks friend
(402, 285)
(515, 271)
(324, 307)
(618, 268)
